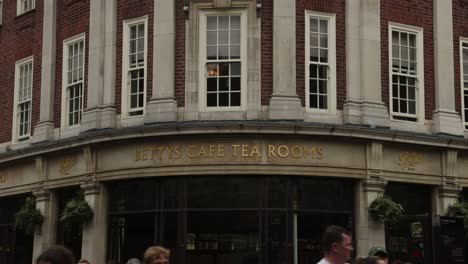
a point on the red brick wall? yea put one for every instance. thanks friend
(266, 51)
(415, 13)
(128, 9)
(327, 6)
(180, 54)
(20, 37)
(72, 20)
(460, 29)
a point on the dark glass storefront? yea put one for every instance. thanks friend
(15, 246)
(411, 239)
(69, 237)
(227, 219)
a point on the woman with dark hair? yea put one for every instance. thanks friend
(56, 255)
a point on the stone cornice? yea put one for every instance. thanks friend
(237, 127)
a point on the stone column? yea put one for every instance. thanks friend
(368, 232)
(446, 119)
(447, 193)
(365, 54)
(44, 130)
(94, 245)
(100, 110)
(162, 106)
(284, 103)
(45, 236)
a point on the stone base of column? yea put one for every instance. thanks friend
(374, 114)
(98, 118)
(352, 112)
(161, 110)
(447, 122)
(44, 236)
(285, 107)
(43, 131)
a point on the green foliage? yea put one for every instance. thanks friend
(28, 217)
(77, 212)
(384, 209)
(459, 209)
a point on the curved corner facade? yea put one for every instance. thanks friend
(231, 131)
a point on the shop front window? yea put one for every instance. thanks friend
(411, 239)
(223, 220)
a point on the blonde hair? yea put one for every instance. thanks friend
(155, 253)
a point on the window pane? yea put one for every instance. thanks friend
(224, 69)
(323, 87)
(224, 84)
(212, 99)
(235, 52)
(314, 54)
(323, 55)
(235, 99)
(235, 22)
(223, 37)
(323, 26)
(235, 84)
(314, 25)
(313, 70)
(212, 84)
(323, 41)
(313, 86)
(211, 22)
(211, 38)
(323, 102)
(223, 52)
(314, 40)
(212, 69)
(313, 101)
(235, 37)
(223, 99)
(223, 22)
(235, 68)
(211, 52)
(412, 107)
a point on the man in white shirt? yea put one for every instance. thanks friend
(337, 245)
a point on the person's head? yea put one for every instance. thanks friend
(133, 261)
(337, 243)
(156, 255)
(368, 260)
(83, 261)
(56, 255)
(379, 252)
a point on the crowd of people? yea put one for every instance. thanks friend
(337, 247)
(62, 255)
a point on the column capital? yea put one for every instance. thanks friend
(90, 187)
(449, 190)
(374, 184)
(41, 194)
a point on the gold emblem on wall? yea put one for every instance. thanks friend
(3, 177)
(409, 160)
(66, 164)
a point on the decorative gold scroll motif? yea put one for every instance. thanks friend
(66, 164)
(3, 177)
(409, 160)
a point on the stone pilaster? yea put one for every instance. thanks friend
(369, 232)
(100, 111)
(45, 236)
(44, 130)
(95, 233)
(364, 98)
(448, 192)
(162, 107)
(446, 119)
(284, 103)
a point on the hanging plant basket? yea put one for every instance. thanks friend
(76, 212)
(384, 209)
(29, 217)
(459, 209)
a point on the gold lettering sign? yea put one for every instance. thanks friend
(236, 151)
(3, 177)
(66, 164)
(408, 160)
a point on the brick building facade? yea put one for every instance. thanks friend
(179, 119)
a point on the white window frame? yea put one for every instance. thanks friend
(420, 115)
(65, 104)
(462, 81)
(20, 8)
(16, 138)
(125, 107)
(203, 61)
(331, 100)
(1, 12)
